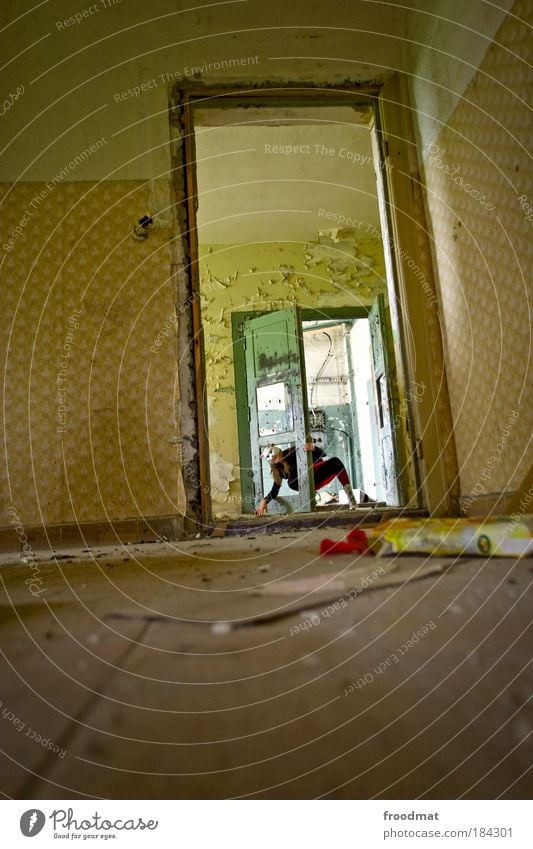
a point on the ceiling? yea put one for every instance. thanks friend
(267, 174)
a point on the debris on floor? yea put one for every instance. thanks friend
(503, 536)
(309, 680)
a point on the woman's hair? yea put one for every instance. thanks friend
(276, 469)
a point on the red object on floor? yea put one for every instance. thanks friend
(356, 541)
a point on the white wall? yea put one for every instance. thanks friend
(445, 43)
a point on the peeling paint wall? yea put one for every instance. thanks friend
(338, 269)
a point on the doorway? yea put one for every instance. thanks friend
(342, 403)
(293, 218)
(318, 379)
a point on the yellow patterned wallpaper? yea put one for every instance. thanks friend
(479, 183)
(89, 368)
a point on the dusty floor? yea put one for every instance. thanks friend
(223, 668)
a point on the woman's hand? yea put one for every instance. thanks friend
(262, 508)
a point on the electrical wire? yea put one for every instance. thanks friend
(321, 369)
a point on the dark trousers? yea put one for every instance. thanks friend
(324, 471)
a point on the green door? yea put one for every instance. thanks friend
(277, 408)
(387, 401)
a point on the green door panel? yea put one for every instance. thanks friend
(275, 369)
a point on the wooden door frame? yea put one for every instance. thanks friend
(414, 303)
(411, 322)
